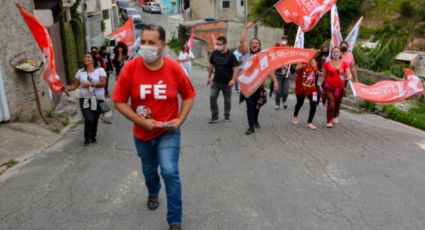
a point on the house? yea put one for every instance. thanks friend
(169, 6)
(231, 10)
(413, 58)
(110, 16)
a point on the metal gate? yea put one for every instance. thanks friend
(4, 108)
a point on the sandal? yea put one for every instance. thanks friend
(311, 126)
(329, 125)
(295, 120)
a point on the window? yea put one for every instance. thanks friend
(105, 14)
(242, 2)
(226, 4)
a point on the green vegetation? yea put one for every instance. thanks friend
(175, 45)
(10, 163)
(415, 116)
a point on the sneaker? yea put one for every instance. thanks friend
(213, 120)
(227, 119)
(86, 142)
(153, 203)
(277, 107)
(94, 141)
(285, 106)
(249, 131)
(176, 227)
(257, 125)
(237, 91)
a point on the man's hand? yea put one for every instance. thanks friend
(276, 87)
(147, 124)
(209, 81)
(231, 83)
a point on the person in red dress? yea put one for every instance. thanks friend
(335, 73)
(305, 86)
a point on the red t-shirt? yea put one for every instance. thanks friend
(305, 82)
(335, 78)
(156, 90)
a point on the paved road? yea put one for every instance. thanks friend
(366, 173)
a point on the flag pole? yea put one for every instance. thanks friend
(264, 13)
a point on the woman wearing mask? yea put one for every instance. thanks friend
(335, 73)
(348, 57)
(252, 102)
(185, 58)
(120, 57)
(321, 60)
(305, 86)
(91, 80)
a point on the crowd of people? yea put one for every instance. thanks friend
(149, 85)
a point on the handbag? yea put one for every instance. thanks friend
(103, 107)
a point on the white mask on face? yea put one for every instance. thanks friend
(149, 53)
(219, 47)
(284, 42)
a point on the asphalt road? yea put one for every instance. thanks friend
(366, 173)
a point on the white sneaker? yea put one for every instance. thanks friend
(277, 107)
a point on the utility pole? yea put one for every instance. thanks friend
(245, 21)
(84, 15)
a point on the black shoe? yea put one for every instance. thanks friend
(213, 120)
(94, 141)
(257, 125)
(249, 131)
(176, 227)
(153, 203)
(86, 142)
(285, 106)
(226, 119)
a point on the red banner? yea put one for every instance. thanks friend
(42, 38)
(305, 13)
(259, 66)
(385, 92)
(125, 33)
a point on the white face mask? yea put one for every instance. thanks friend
(284, 42)
(219, 47)
(149, 53)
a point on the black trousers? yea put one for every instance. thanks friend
(300, 102)
(251, 107)
(91, 120)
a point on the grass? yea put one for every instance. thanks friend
(415, 116)
(175, 45)
(80, 122)
(10, 163)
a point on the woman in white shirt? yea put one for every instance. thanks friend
(185, 58)
(91, 81)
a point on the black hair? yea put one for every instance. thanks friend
(94, 47)
(223, 39)
(123, 46)
(95, 61)
(158, 29)
(344, 42)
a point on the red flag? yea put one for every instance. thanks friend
(385, 92)
(305, 13)
(259, 66)
(125, 33)
(191, 40)
(42, 38)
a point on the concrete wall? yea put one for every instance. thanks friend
(369, 76)
(203, 9)
(268, 36)
(16, 38)
(213, 8)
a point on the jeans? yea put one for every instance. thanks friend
(251, 107)
(91, 120)
(283, 90)
(300, 102)
(164, 152)
(227, 94)
(236, 86)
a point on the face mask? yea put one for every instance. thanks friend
(336, 56)
(326, 53)
(344, 49)
(149, 53)
(219, 47)
(284, 42)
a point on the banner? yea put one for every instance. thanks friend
(125, 34)
(42, 38)
(352, 36)
(299, 39)
(305, 13)
(259, 66)
(385, 92)
(191, 40)
(335, 28)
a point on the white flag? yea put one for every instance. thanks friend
(335, 28)
(352, 36)
(299, 39)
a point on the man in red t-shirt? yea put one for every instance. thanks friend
(153, 83)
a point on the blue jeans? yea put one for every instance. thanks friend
(164, 152)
